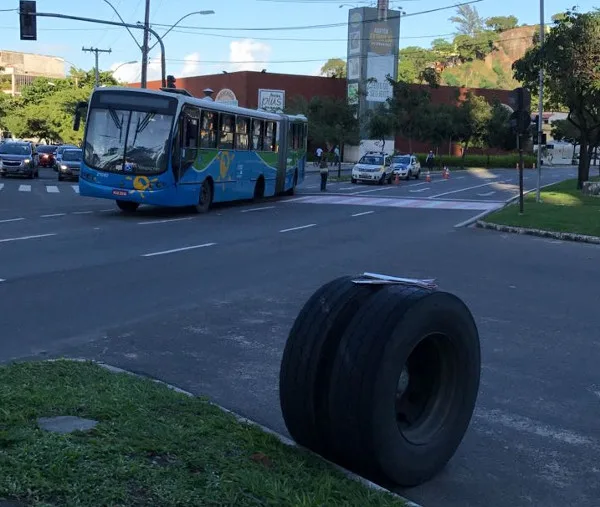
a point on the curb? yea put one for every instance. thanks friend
(563, 236)
(478, 218)
(283, 439)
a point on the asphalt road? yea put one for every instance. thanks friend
(205, 302)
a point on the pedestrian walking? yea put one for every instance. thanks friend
(324, 175)
(319, 156)
(429, 160)
(336, 156)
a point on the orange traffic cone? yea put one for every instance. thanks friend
(397, 179)
(428, 177)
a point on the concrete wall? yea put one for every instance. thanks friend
(29, 63)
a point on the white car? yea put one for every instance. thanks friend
(374, 167)
(406, 166)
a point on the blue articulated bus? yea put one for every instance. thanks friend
(166, 148)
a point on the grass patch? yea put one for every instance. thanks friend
(564, 209)
(152, 446)
(335, 179)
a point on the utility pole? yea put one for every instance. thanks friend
(541, 110)
(145, 46)
(96, 51)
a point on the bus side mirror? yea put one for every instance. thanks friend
(77, 116)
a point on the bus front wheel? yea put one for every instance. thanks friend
(128, 206)
(206, 197)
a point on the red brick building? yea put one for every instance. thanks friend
(246, 85)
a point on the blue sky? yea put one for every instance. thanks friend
(213, 43)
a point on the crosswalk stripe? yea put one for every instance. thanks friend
(51, 189)
(398, 203)
(24, 188)
(75, 188)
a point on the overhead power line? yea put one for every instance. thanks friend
(474, 44)
(312, 27)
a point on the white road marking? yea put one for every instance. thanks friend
(256, 209)
(347, 188)
(460, 178)
(11, 220)
(53, 215)
(82, 212)
(298, 228)
(363, 213)
(52, 189)
(106, 210)
(164, 221)
(313, 186)
(420, 190)
(373, 190)
(1, 186)
(24, 188)
(2, 279)
(75, 188)
(6, 240)
(175, 250)
(487, 194)
(463, 189)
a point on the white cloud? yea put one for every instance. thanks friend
(132, 72)
(191, 66)
(250, 52)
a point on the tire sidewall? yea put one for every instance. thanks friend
(204, 205)
(438, 313)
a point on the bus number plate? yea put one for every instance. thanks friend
(120, 192)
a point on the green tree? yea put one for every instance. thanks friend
(438, 123)
(442, 49)
(334, 67)
(501, 23)
(571, 63)
(564, 130)
(412, 61)
(407, 106)
(380, 124)
(467, 20)
(499, 133)
(471, 121)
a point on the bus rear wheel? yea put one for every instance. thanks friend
(128, 206)
(206, 197)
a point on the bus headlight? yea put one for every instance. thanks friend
(63, 167)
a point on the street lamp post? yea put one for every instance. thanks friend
(121, 65)
(199, 13)
(538, 197)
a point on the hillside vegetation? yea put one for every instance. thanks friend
(480, 55)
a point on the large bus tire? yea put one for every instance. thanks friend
(292, 191)
(307, 358)
(128, 206)
(404, 384)
(205, 198)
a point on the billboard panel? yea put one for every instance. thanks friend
(373, 46)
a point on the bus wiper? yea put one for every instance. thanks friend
(141, 125)
(117, 121)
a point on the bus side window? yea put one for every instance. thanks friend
(190, 134)
(290, 139)
(257, 138)
(297, 136)
(241, 133)
(208, 131)
(227, 130)
(270, 141)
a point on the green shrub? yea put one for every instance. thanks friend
(488, 161)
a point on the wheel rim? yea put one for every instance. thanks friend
(426, 389)
(205, 196)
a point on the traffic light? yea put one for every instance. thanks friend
(171, 82)
(27, 20)
(520, 99)
(520, 121)
(535, 123)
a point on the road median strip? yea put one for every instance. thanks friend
(143, 443)
(564, 214)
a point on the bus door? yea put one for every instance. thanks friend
(282, 158)
(189, 132)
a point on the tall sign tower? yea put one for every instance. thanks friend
(373, 46)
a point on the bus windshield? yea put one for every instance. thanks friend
(126, 140)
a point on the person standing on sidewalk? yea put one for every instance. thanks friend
(324, 174)
(336, 157)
